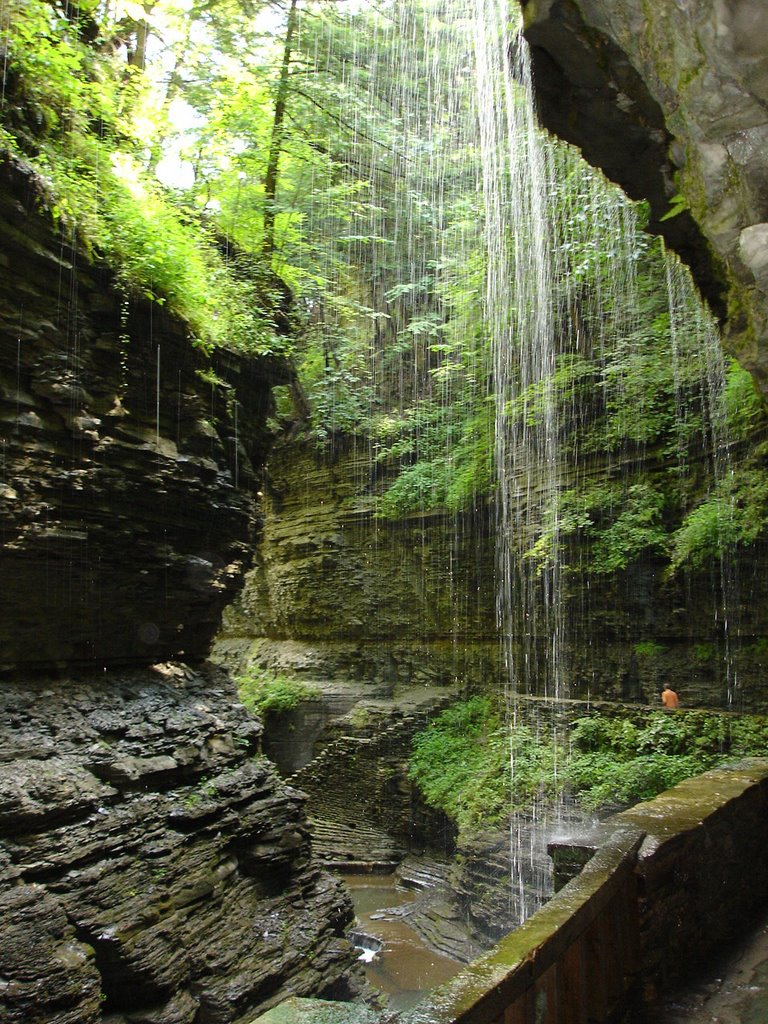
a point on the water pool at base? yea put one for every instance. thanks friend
(404, 969)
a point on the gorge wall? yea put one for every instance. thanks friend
(153, 867)
(127, 479)
(336, 593)
(671, 100)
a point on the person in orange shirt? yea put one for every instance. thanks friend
(669, 698)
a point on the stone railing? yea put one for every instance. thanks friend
(575, 960)
(637, 917)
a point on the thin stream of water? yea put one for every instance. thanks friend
(553, 251)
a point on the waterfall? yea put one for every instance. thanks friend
(553, 274)
(516, 178)
(517, 187)
(504, 350)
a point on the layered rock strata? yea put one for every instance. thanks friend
(671, 99)
(129, 458)
(337, 594)
(364, 810)
(153, 868)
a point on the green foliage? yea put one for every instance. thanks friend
(744, 408)
(637, 528)
(622, 522)
(648, 649)
(340, 403)
(263, 691)
(460, 765)
(469, 764)
(677, 204)
(54, 82)
(703, 654)
(85, 116)
(748, 737)
(573, 377)
(478, 770)
(616, 761)
(736, 513)
(601, 781)
(599, 733)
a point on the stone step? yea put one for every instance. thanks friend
(339, 845)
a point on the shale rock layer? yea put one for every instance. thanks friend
(153, 868)
(126, 478)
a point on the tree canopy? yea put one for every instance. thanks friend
(312, 178)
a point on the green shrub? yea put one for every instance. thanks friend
(479, 769)
(735, 514)
(743, 404)
(459, 763)
(648, 649)
(615, 761)
(476, 768)
(749, 736)
(703, 653)
(626, 782)
(263, 691)
(600, 733)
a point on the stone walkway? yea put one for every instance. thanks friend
(735, 992)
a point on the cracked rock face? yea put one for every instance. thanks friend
(153, 868)
(673, 98)
(126, 480)
(418, 601)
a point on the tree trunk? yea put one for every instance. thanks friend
(276, 140)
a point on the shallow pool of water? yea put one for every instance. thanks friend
(405, 969)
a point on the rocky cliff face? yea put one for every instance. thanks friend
(126, 479)
(152, 866)
(336, 594)
(672, 98)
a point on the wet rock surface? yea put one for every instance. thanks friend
(336, 595)
(735, 991)
(671, 99)
(365, 813)
(153, 867)
(127, 480)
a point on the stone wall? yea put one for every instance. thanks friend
(670, 882)
(668, 99)
(127, 481)
(701, 874)
(336, 593)
(702, 870)
(152, 865)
